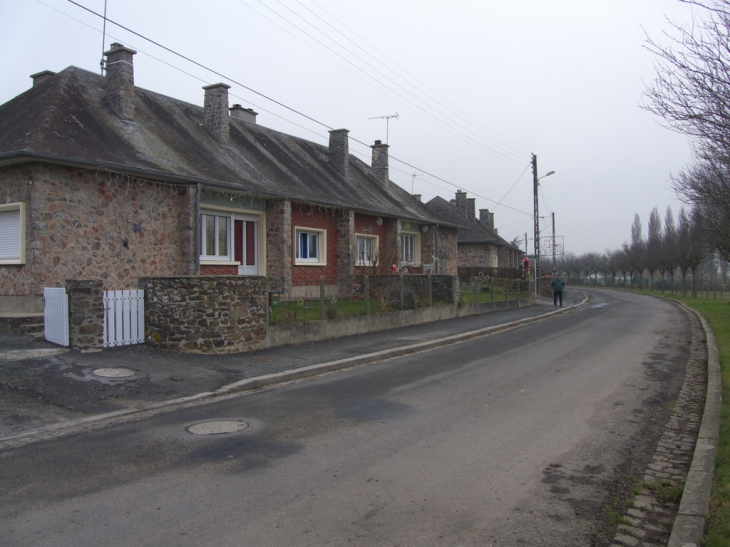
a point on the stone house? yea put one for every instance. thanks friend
(479, 245)
(100, 179)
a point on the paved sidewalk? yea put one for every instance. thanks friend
(42, 385)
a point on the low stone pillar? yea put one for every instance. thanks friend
(85, 314)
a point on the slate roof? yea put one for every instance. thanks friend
(66, 119)
(476, 232)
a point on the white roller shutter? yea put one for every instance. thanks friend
(10, 245)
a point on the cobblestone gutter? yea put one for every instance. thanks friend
(683, 462)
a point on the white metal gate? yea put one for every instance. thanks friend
(123, 318)
(55, 315)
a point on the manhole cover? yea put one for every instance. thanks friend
(219, 427)
(116, 372)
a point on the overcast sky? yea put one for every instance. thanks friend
(478, 87)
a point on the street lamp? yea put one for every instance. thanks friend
(535, 184)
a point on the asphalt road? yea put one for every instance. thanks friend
(521, 438)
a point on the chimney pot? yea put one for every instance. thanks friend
(339, 151)
(470, 211)
(119, 68)
(40, 77)
(215, 111)
(380, 163)
(461, 203)
(245, 114)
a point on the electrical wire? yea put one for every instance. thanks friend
(285, 106)
(429, 115)
(430, 107)
(383, 55)
(139, 50)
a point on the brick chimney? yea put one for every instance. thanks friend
(487, 218)
(339, 152)
(380, 162)
(418, 196)
(245, 114)
(40, 77)
(215, 111)
(461, 202)
(470, 211)
(120, 80)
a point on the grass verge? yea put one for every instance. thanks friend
(717, 314)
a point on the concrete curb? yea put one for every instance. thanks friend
(689, 525)
(100, 421)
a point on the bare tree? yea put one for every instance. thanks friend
(691, 91)
(636, 250)
(653, 244)
(706, 185)
(668, 261)
(697, 245)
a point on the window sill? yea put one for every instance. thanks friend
(16, 262)
(305, 263)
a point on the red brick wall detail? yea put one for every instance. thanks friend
(218, 270)
(306, 216)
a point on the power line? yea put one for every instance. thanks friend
(140, 50)
(488, 148)
(283, 105)
(467, 120)
(430, 106)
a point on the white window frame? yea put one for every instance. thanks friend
(8, 211)
(416, 248)
(220, 258)
(321, 258)
(375, 247)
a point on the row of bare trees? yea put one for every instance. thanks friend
(670, 253)
(691, 93)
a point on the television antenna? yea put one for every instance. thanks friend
(387, 119)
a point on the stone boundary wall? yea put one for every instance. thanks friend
(205, 314)
(85, 314)
(313, 331)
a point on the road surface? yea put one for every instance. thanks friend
(521, 438)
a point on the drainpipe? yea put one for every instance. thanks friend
(197, 229)
(436, 247)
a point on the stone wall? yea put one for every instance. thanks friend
(346, 249)
(476, 255)
(447, 252)
(279, 252)
(86, 314)
(214, 314)
(84, 224)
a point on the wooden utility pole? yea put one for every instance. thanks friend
(537, 227)
(553, 244)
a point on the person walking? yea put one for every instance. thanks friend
(557, 284)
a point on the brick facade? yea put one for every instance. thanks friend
(209, 269)
(310, 216)
(368, 225)
(84, 224)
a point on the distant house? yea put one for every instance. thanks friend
(100, 179)
(479, 245)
